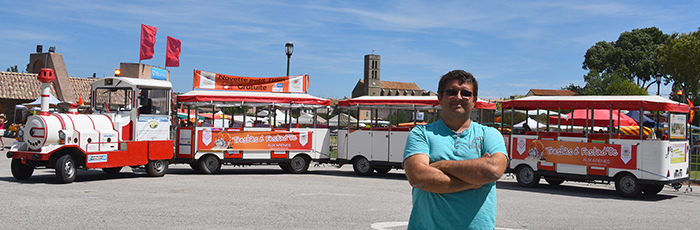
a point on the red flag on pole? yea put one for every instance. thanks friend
(148, 40)
(172, 57)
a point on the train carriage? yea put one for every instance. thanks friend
(375, 147)
(289, 145)
(636, 163)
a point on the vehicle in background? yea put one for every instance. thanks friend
(378, 146)
(249, 140)
(635, 163)
(129, 126)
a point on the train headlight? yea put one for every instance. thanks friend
(61, 137)
(20, 135)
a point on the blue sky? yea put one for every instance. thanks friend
(510, 46)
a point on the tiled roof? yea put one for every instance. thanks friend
(84, 84)
(25, 86)
(398, 85)
(22, 86)
(552, 92)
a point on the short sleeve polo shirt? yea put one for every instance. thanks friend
(469, 209)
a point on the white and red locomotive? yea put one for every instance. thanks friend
(129, 126)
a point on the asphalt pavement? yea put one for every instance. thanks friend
(327, 197)
(8, 142)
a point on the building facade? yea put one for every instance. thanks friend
(550, 92)
(20, 88)
(372, 85)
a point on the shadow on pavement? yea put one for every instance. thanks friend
(319, 170)
(579, 191)
(42, 177)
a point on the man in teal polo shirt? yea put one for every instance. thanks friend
(453, 163)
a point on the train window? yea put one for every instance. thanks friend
(154, 101)
(113, 99)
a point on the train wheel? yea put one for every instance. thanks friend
(553, 181)
(652, 189)
(362, 167)
(285, 167)
(299, 164)
(114, 170)
(157, 168)
(21, 171)
(65, 169)
(195, 167)
(628, 186)
(209, 164)
(527, 177)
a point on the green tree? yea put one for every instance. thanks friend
(610, 84)
(595, 84)
(236, 110)
(573, 87)
(12, 69)
(620, 86)
(516, 117)
(398, 116)
(680, 60)
(631, 56)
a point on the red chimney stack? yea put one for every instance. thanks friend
(46, 76)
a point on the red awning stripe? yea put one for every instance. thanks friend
(250, 97)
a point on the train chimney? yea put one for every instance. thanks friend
(46, 76)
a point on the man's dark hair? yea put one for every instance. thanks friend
(460, 75)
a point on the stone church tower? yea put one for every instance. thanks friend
(372, 67)
(372, 85)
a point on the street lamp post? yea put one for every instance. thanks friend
(658, 87)
(658, 83)
(289, 49)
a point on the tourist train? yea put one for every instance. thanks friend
(135, 122)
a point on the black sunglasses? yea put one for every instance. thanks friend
(452, 92)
